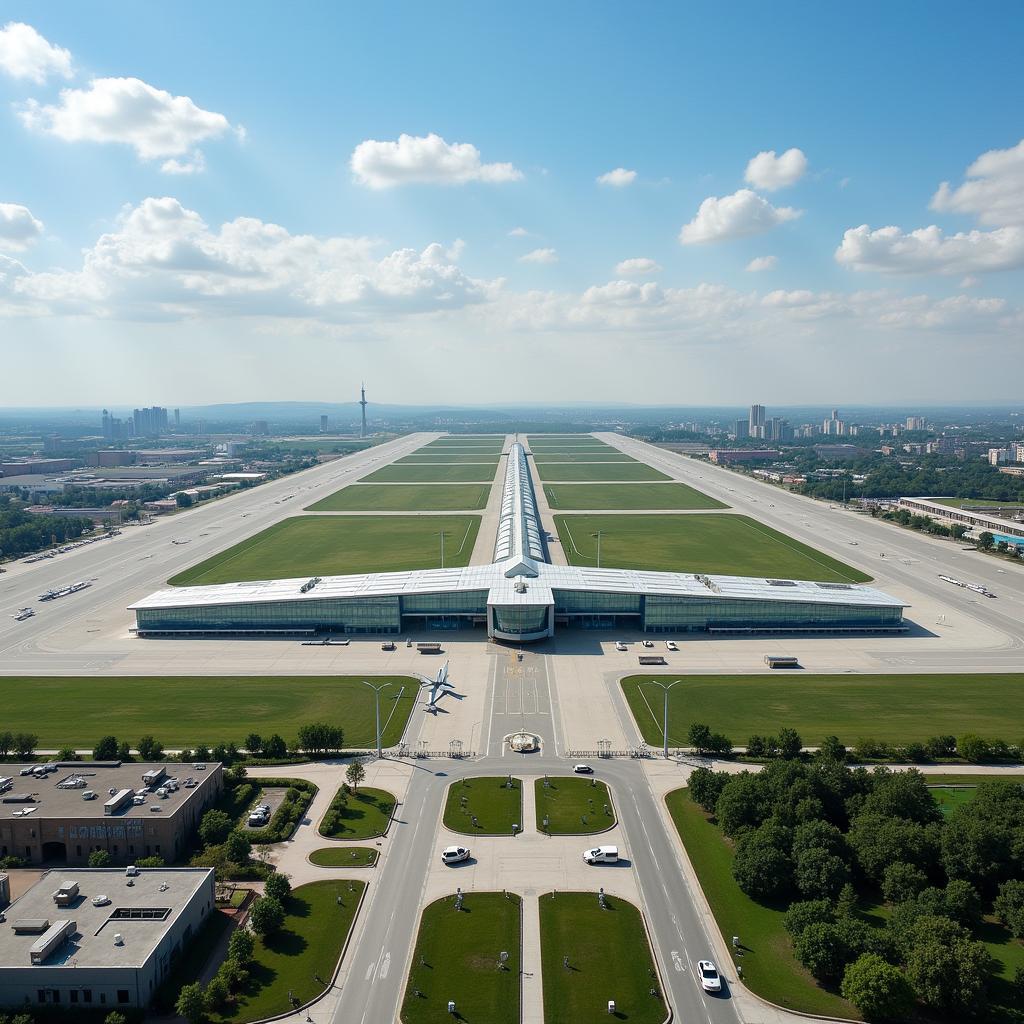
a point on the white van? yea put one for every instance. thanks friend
(601, 855)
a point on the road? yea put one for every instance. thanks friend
(62, 636)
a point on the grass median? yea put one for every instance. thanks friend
(344, 857)
(433, 473)
(338, 545)
(608, 957)
(190, 711)
(404, 498)
(628, 496)
(897, 709)
(484, 806)
(364, 814)
(572, 805)
(457, 958)
(584, 471)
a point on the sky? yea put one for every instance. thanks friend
(687, 204)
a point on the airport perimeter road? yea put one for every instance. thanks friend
(59, 638)
(903, 563)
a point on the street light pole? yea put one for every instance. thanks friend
(441, 535)
(598, 536)
(664, 728)
(376, 693)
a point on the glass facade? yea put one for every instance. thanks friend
(570, 602)
(465, 602)
(521, 618)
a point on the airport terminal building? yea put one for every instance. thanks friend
(519, 597)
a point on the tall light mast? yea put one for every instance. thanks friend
(362, 402)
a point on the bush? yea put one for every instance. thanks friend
(191, 1004)
(100, 859)
(832, 750)
(215, 827)
(879, 990)
(106, 749)
(941, 746)
(974, 749)
(241, 946)
(790, 744)
(705, 787)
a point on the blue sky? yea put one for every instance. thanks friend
(355, 173)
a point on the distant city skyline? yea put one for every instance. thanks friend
(209, 205)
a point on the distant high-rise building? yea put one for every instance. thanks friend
(916, 423)
(741, 429)
(177, 418)
(106, 424)
(362, 403)
(200, 427)
(323, 424)
(755, 422)
(151, 422)
(997, 456)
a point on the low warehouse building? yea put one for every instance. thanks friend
(130, 810)
(99, 939)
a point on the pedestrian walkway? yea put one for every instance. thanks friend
(533, 990)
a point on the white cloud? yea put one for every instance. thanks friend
(770, 172)
(424, 160)
(762, 263)
(18, 228)
(736, 216)
(637, 267)
(518, 233)
(195, 164)
(619, 178)
(540, 256)
(994, 191)
(889, 250)
(164, 262)
(24, 53)
(129, 111)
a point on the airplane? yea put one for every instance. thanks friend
(439, 686)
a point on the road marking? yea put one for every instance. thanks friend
(677, 961)
(385, 966)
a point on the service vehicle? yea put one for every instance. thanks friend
(601, 855)
(672, 645)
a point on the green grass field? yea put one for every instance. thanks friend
(466, 445)
(897, 709)
(456, 957)
(186, 711)
(344, 857)
(404, 498)
(364, 814)
(542, 457)
(726, 544)
(446, 458)
(318, 918)
(627, 496)
(573, 472)
(769, 967)
(433, 473)
(488, 799)
(609, 958)
(573, 805)
(338, 545)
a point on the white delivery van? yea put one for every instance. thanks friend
(601, 855)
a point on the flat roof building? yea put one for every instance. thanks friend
(99, 939)
(1010, 523)
(520, 596)
(47, 817)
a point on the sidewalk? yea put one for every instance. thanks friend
(532, 988)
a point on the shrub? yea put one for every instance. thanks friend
(100, 859)
(878, 989)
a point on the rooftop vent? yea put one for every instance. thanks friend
(835, 586)
(781, 583)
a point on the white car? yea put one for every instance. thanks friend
(672, 645)
(454, 854)
(648, 643)
(100, 901)
(619, 645)
(582, 769)
(710, 979)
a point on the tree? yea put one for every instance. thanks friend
(816, 834)
(254, 743)
(790, 744)
(985, 540)
(878, 989)
(67, 754)
(319, 739)
(832, 750)
(902, 881)
(705, 787)
(216, 994)
(804, 913)
(974, 749)
(820, 874)
(267, 916)
(6, 742)
(277, 887)
(354, 774)
(100, 859)
(879, 841)
(24, 743)
(124, 751)
(184, 500)
(1009, 907)
(241, 946)
(946, 969)
(275, 747)
(941, 746)
(191, 1004)
(742, 804)
(237, 847)
(106, 749)
(757, 746)
(150, 750)
(699, 735)
(214, 827)
(823, 950)
(762, 866)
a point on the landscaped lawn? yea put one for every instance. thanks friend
(433, 473)
(318, 918)
(897, 709)
(360, 815)
(572, 805)
(456, 957)
(769, 966)
(609, 958)
(489, 800)
(344, 857)
(431, 458)
(725, 544)
(404, 498)
(627, 496)
(188, 711)
(338, 545)
(581, 455)
(573, 471)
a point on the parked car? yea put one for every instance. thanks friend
(601, 855)
(454, 854)
(619, 645)
(672, 645)
(648, 643)
(388, 645)
(582, 769)
(710, 979)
